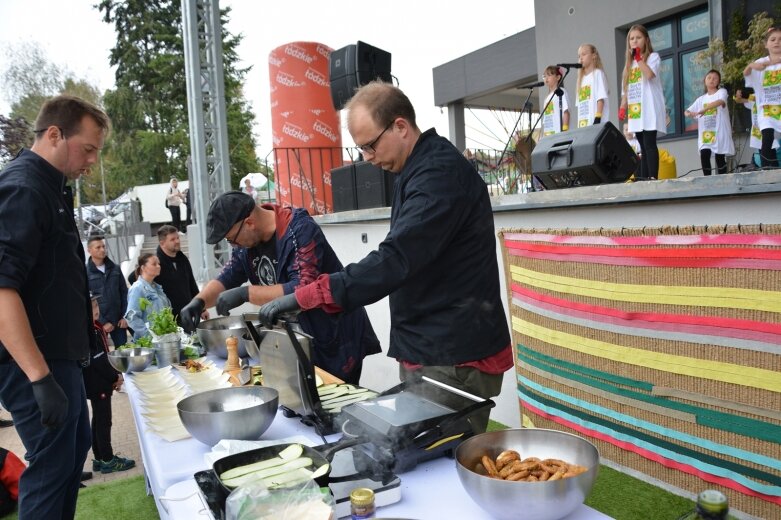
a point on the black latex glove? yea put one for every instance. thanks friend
(597, 120)
(231, 299)
(51, 400)
(190, 315)
(269, 312)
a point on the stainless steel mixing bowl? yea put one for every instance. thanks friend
(243, 413)
(131, 359)
(213, 333)
(538, 500)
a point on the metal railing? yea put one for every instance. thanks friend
(300, 170)
(117, 223)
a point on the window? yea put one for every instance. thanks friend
(678, 40)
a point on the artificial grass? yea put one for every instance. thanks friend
(123, 499)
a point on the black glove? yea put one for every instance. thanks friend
(51, 400)
(597, 120)
(269, 312)
(190, 315)
(231, 299)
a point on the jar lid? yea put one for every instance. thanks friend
(362, 496)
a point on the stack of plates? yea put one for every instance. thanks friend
(159, 391)
(210, 378)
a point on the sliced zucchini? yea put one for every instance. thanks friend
(292, 452)
(318, 381)
(289, 478)
(275, 471)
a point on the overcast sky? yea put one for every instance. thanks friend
(420, 35)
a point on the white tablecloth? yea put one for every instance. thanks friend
(431, 491)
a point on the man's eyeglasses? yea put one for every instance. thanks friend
(369, 147)
(238, 232)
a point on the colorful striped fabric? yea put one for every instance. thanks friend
(661, 346)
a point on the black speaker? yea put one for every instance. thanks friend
(361, 186)
(343, 188)
(596, 154)
(353, 66)
(373, 186)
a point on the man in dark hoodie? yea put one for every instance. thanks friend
(106, 282)
(176, 273)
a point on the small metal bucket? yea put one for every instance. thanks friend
(167, 352)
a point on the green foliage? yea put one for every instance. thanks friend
(163, 322)
(742, 47)
(148, 106)
(144, 342)
(15, 134)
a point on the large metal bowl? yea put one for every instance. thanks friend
(243, 413)
(213, 333)
(131, 359)
(504, 499)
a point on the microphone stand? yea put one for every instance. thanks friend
(515, 127)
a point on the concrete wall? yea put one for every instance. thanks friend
(746, 198)
(561, 27)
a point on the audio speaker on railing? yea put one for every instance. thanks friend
(596, 154)
(353, 66)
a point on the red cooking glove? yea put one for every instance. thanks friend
(622, 113)
(636, 54)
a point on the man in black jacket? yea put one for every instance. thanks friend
(437, 264)
(106, 282)
(46, 311)
(176, 273)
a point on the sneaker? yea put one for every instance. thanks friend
(117, 464)
(86, 475)
(96, 465)
(6, 423)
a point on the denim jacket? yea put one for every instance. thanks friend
(136, 316)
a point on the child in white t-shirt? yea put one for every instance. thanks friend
(555, 119)
(592, 92)
(714, 129)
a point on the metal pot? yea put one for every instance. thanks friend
(213, 333)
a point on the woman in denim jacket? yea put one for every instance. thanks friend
(145, 296)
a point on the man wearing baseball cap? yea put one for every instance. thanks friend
(278, 249)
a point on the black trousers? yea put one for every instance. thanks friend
(721, 162)
(649, 165)
(176, 216)
(767, 156)
(101, 429)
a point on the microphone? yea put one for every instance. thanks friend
(533, 85)
(570, 65)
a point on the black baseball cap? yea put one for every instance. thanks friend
(225, 211)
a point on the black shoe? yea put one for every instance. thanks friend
(5, 423)
(86, 475)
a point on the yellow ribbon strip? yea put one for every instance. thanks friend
(687, 366)
(724, 297)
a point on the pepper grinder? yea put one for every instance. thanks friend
(232, 365)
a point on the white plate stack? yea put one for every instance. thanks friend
(159, 391)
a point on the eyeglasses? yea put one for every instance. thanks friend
(369, 148)
(238, 232)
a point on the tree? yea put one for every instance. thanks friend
(15, 134)
(743, 45)
(148, 106)
(28, 81)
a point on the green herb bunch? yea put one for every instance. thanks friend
(163, 322)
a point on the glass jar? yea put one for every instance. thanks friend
(361, 504)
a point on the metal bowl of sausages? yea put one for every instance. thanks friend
(499, 472)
